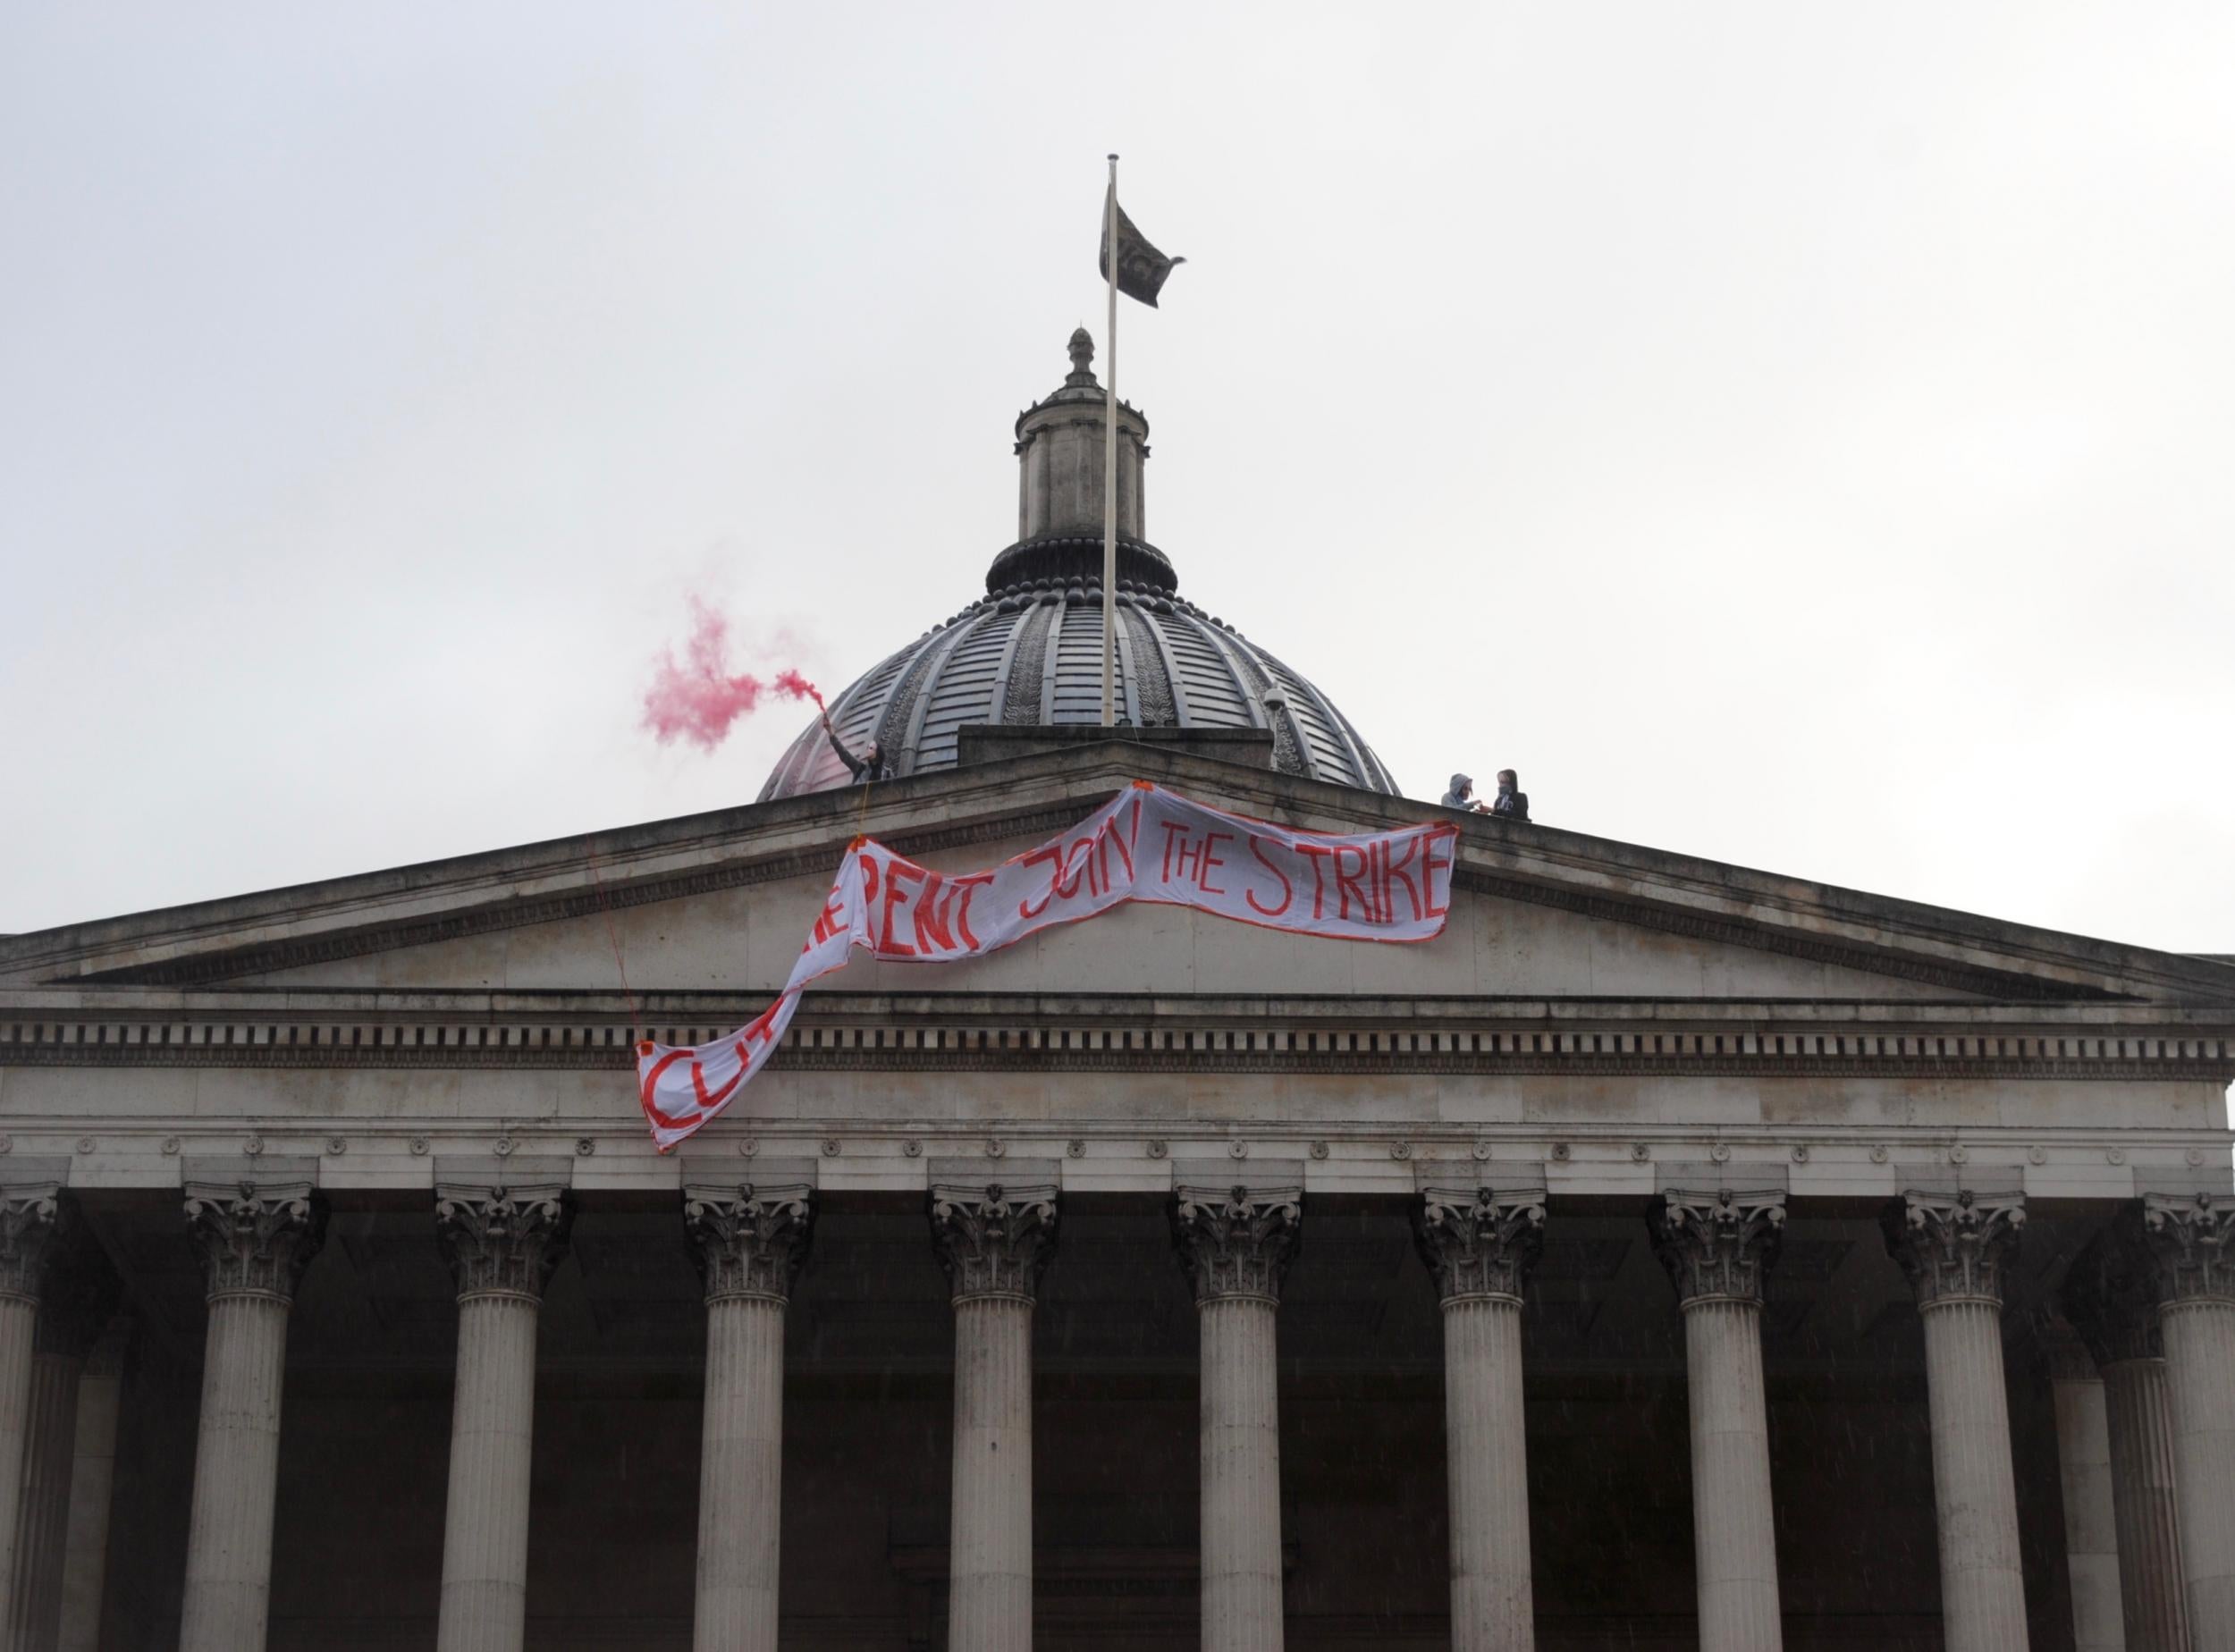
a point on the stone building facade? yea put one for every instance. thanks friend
(1671, 1255)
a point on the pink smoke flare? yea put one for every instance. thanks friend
(698, 698)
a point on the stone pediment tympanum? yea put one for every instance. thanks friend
(719, 902)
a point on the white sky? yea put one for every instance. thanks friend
(1801, 435)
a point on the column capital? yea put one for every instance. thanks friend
(993, 1239)
(1719, 1245)
(1237, 1242)
(2187, 1237)
(749, 1241)
(28, 1214)
(1954, 1247)
(2109, 1294)
(1479, 1243)
(255, 1238)
(502, 1241)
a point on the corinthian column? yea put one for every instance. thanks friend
(993, 1239)
(80, 1293)
(1719, 1248)
(2110, 1296)
(1236, 1243)
(1480, 1246)
(503, 1244)
(92, 1487)
(256, 1239)
(2083, 1464)
(1954, 1250)
(28, 1212)
(2188, 1237)
(748, 1243)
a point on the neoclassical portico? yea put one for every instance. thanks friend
(897, 1354)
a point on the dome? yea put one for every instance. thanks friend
(1029, 651)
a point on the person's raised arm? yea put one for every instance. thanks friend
(853, 763)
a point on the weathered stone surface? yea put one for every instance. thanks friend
(750, 1239)
(994, 1237)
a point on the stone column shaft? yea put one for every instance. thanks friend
(1719, 1248)
(990, 1603)
(19, 1323)
(1955, 1250)
(2187, 1238)
(493, 1428)
(236, 1476)
(27, 1224)
(2137, 1415)
(1480, 1246)
(503, 1244)
(2200, 1369)
(2091, 1542)
(749, 1243)
(1236, 1244)
(255, 1242)
(1240, 1476)
(43, 1504)
(993, 1240)
(92, 1487)
(2110, 1299)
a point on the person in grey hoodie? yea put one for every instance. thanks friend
(1462, 794)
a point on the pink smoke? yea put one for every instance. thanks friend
(696, 698)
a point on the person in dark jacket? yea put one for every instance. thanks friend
(1513, 803)
(869, 767)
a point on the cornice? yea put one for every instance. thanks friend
(1025, 1033)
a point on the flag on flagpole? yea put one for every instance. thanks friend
(1142, 269)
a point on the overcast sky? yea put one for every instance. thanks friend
(1799, 436)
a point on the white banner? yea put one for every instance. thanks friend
(1144, 844)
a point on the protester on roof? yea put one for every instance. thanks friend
(1513, 803)
(1462, 794)
(870, 766)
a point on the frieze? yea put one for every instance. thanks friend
(749, 1241)
(301, 1038)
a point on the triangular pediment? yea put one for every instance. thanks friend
(719, 902)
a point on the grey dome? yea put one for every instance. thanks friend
(1029, 649)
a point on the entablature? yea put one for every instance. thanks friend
(1148, 1032)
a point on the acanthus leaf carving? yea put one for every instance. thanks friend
(2189, 1236)
(749, 1241)
(1955, 1248)
(28, 1214)
(255, 1238)
(992, 1239)
(1718, 1246)
(1479, 1244)
(502, 1241)
(1237, 1242)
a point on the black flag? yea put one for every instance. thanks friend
(1142, 269)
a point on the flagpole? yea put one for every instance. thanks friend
(1109, 469)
